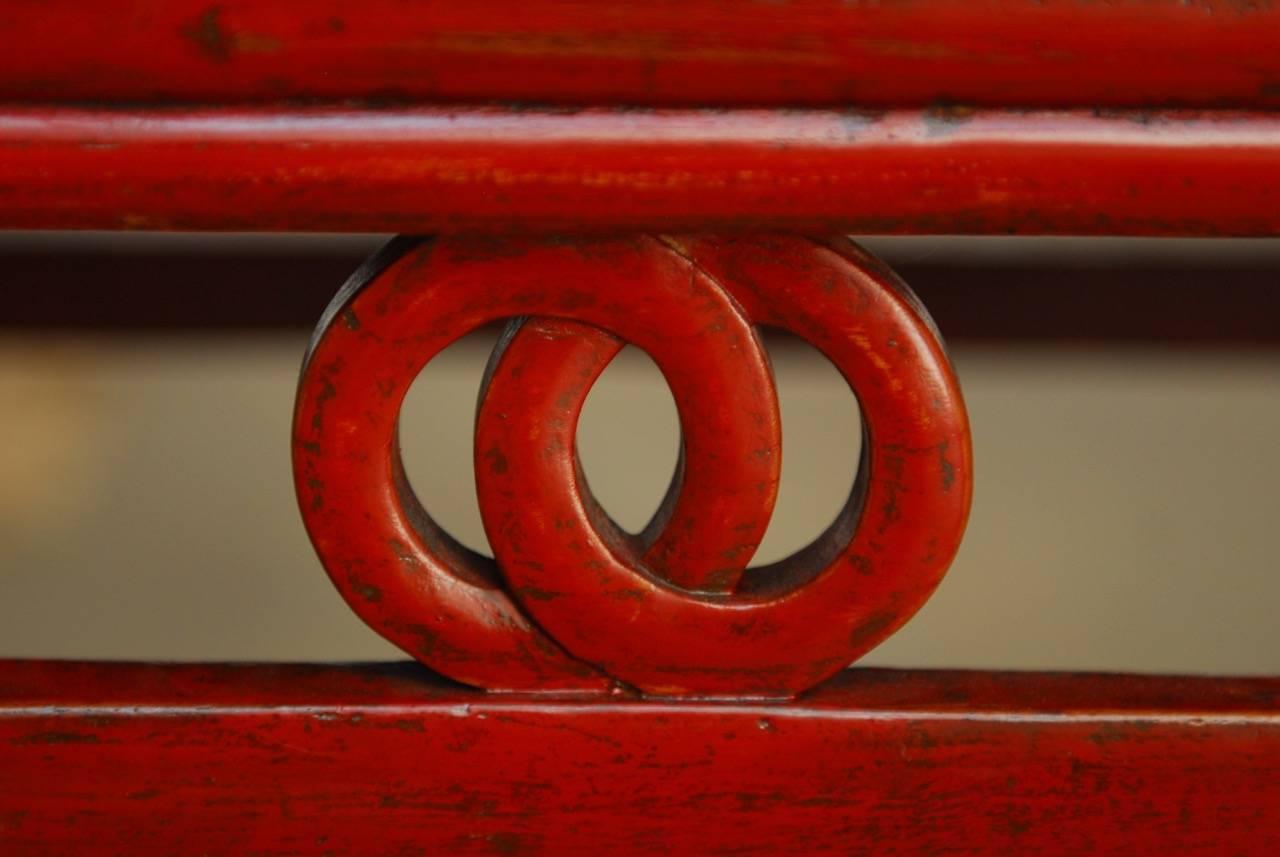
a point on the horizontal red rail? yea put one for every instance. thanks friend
(298, 760)
(1207, 53)
(432, 170)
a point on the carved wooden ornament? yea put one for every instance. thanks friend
(571, 602)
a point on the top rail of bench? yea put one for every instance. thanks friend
(804, 53)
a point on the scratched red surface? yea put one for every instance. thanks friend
(775, 52)
(402, 117)
(134, 759)
(673, 611)
(493, 169)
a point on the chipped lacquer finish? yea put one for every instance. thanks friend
(571, 601)
(1203, 53)
(434, 169)
(1139, 117)
(129, 759)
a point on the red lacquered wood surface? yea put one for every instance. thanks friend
(787, 625)
(395, 567)
(800, 52)
(673, 611)
(434, 170)
(131, 759)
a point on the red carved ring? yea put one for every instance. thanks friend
(572, 603)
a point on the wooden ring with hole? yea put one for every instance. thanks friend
(574, 602)
(400, 572)
(783, 627)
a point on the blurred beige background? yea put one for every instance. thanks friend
(1123, 519)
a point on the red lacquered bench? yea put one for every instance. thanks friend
(670, 175)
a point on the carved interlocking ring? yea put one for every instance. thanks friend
(570, 602)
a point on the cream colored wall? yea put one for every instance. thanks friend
(1124, 515)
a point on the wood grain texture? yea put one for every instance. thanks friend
(664, 52)
(256, 760)
(434, 170)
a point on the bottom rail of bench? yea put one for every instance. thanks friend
(272, 759)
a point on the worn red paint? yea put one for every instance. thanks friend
(121, 758)
(291, 760)
(494, 169)
(798, 52)
(394, 566)
(624, 605)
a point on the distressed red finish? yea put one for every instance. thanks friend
(402, 574)
(789, 624)
(829, 116)
(797, 52)
(671, 611)
(824, 172)
(121, 758)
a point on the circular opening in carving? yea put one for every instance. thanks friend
(629, 438)
(437, 422)
(821, 446)
(629, 441)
